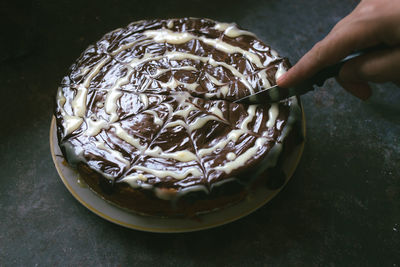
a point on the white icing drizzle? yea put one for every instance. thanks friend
(111, 104)
(234, 71)
(281, 70)
(186, 68)
(71, 123)
(230, 49)
(121, 133)
(232, 136)
(251, 110)
(263, 76)
(113, 95)
(231, 30)
(94, 127)
(95, 70)
(190, 86)
(84, 71)
(181, 56)
(218, 112)
(175, 123)
(173, 55)
(145, 85)
(156, 118)
(213, 79)
(182, 155)
(79, 102)
(181, 97)
(171, 37)
(132, 180)
(224, 90)
(274, 53)
(145, 100)
(243, 158)
(222, 26)
(273, 113)
(165, 35)
(230, 156)
(201, 121)
(159, 72)
(164, 173)
(146, 57)
(170, 109)
(170, 24)
(61, 99)
(188, 107)
(173, 83)
(116, 154)
(121, 48)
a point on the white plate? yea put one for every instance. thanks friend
(119, 216)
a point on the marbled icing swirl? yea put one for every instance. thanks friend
(151, 105)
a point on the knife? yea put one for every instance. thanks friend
(276, 93)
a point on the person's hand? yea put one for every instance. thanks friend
(371, 23)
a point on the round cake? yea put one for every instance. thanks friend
(147, 116)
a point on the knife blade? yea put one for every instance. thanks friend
(273, 94)
(276, 93)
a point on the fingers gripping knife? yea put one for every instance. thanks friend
(276, 93)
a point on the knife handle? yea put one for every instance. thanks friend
(332, 71)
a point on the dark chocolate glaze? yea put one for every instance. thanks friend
(78, 148)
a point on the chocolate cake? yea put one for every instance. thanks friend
(147, 116)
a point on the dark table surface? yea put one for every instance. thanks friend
(342, 206)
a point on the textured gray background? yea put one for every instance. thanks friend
(341, 208)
